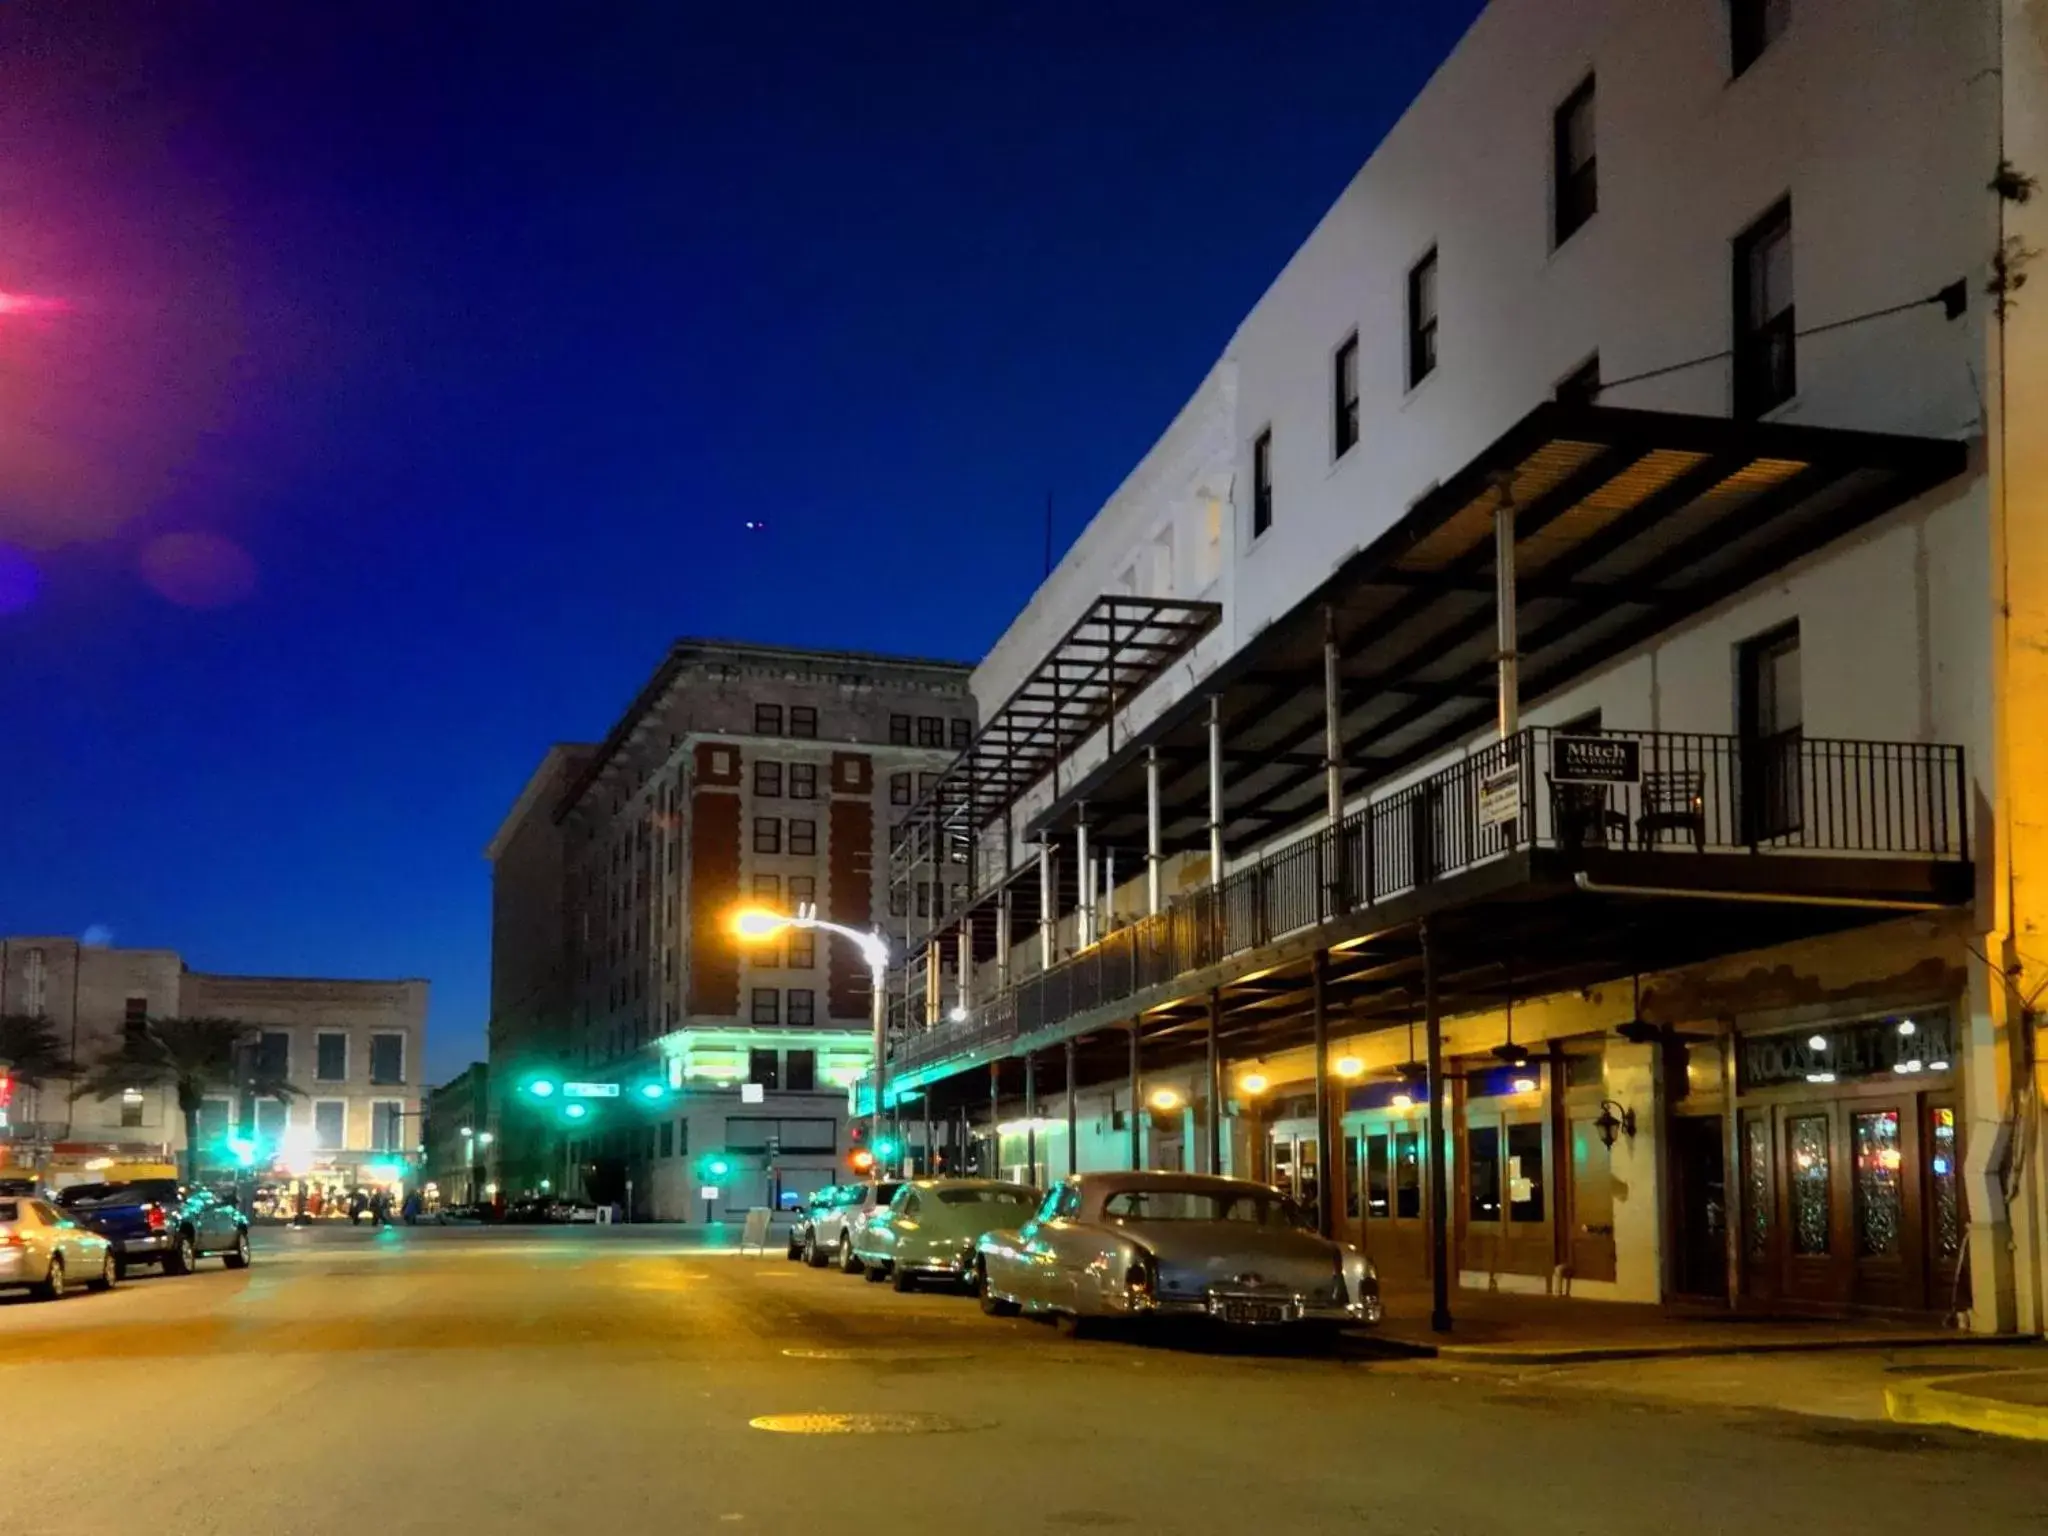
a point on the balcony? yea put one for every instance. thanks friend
(1542, 862)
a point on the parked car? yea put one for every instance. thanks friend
(531, 1210)
(47, 1251)
(837, 1225)
(575, 1212)
(161, 1222)
(929, 1231)
(1138, 1245)
(807, 1213)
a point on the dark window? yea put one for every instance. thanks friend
(1482, 1172)
(1576, 194)
(800, 1070)
(668, 1138)
(768, 779)
(1525, 1172)
(899, 901)
(1344, 397)
(1262, 482)
(216, 1119)
(387, 1127)
(1422, 320)
(803, 837)
(924, 898)
(803, 890)
(931, 731)
(767, 1006)
(803, 1006)
(925, 782)
(803, 781)
(274, 1053)
(135, 1018)
(767, 834)
(899, 789)
(131, 1108)
(331, 1053)
(763, 1067)
(1582, 385)
(960, 733)
(1377, 1189)
(1753, 25)
(803, 721)
(803, 949)
(768, 888)
(899, 730)
(1770, 722)
(767, 719)
(1766, 369)
(387, 1059)
(330, 1125)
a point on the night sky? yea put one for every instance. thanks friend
(384, 385)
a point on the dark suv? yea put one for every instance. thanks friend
(159, 1221)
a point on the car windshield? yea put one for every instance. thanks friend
(132, 1192)
(1252, 1208)
(1024, 1200)
(9, 1211)
(884, 1193)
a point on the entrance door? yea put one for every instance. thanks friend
(1699, 1178)
(1392, 1178)
(1592, 1239)
(1506, 1178)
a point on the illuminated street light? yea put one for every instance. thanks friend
(1349, 1066)
(1252, 1083)
(1165, 1100)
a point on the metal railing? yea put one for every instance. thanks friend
(1662, 792)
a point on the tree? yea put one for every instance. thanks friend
(194, 1058)
(31, 1051)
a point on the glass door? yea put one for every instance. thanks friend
(1390, 1176)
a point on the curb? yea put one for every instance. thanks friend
(1936, 1402)
(1593, 1354)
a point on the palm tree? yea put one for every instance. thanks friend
(31, 1050)
(196, 1058)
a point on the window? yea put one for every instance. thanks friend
(668, 1138)
(767, 1006)
(763, 1068)
(387, 1126)
(800, 1071)
(960, 733)
(803, 837)
(1377, 1188)
(274, 1053)
(1525, 1171)
(330, 1054)
(1262, 482)
(1770, 724)
(803, 721)
(1766, 373)
(803, 949)
(1422, 320)
(900, 789)
(803, 781)
(767, 834)
(931, 731)
(1575, 193)
(387, 1059)
(1582, 385)
(1753, 25)
(1482, 1144)
(925, 784)
(272, 1116)
(134, 1018)
(767, 719)
(330, 1124)
(768, 889)
(803, 890)
(1344, 396)
(803, 1006)
(899, 730)
(131, 1107)
(768, 780)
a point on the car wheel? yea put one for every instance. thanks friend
(991, 1303)
(796, 1249)
(183, 1257)
(52, 1288)
(238, 1256)
(813, 1254)
(110, 1272)
(1071, 1325)
(877, 1273)
(848, 1264)
(901, 1279)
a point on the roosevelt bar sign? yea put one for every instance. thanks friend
(1595, 760)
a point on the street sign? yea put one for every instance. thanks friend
(1595, 760)
(755, 1233)
(709, 1192)
(591, 1090)
(753, 1093)
(775, 1146)
(1500, 796)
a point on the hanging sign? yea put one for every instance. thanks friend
(590, 1090)
(1595, 760)
(1500, 797)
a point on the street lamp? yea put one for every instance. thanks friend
(756, 924)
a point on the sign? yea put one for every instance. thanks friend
(755, 1233)
(590, 1090)
(1899, 1045)
(1500, 797)
(1595, 760)
(753, 1093)
(709, 1192)
(774, 1147)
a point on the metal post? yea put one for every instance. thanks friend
(1319, 972)
(1439, 1194)
(1073, 1117)
(1504, 612)
(934, 983)
(877, 1011)
(1084, 910)
(1137, 1136)
(1215, 1067)
(995, 1120)
(1333, 761)
(1152, 833)
(963, 963)
(1045, 899)
(1215, 792)
(1003, 940)
(1108, 920)
(931, 1157)
(1030, 1118)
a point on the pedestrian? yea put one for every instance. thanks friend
(410, 1209)
(380, 1208)
(355, 1208)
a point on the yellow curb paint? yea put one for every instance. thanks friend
(1932, 1403)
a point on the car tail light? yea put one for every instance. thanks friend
(12, 1240)
(1140, 1277)
(155, 1213)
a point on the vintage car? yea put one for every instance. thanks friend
(1147, 1245)
(930, 1229)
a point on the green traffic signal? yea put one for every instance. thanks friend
(541, 1088)
(714, 1165)
(575, 1111)
(887, 1146)
(653, 1090)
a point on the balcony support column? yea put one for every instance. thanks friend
(1030, 1117)
(1152, 833)
(1073, 1116)
(1319, 972)
(995, 1120)
(1439, 1195)
(963, 964)
(1084, 867)
(1046, 914)
(1003, 940)
(1137, 1132)
(934, 983)
(1214, 1068)
(1108, 919)
(1333, 764)
(1215, 792)
(1507, 640)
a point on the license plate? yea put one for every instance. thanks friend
(1253, 1313)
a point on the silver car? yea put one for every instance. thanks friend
(47, 1252)
(1132, 1245)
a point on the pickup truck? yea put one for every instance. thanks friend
(159, 1221)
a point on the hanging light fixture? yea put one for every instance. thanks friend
(1638, 1030)
(1510, 1053)
(1412, 1070)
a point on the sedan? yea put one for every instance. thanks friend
(1142, 1245)
(930, 1229)
(806, 1214)
(43, 1250)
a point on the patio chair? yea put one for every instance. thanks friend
(1583, 818)
(1674, 802)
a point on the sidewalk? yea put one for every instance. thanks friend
(2009, 1403)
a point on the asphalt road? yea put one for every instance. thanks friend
(578, 1381)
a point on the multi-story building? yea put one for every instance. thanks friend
(352, 1049)
(742, 773)
(1570, 804)
(454, 1158)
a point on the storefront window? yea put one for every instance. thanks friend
(1407, 1174)
(1756, 1185)
(1376, 1176)
(1941, 1169)
(1525, 1172)
(1482, 1144)
(1807, 1138)
(1351, 1182)
(1874, 1137)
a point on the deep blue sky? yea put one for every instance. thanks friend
(388, 383)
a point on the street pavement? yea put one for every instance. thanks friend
(543, 1380)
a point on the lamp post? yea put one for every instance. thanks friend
(757, 924)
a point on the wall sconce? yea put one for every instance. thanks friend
(1614, 1120)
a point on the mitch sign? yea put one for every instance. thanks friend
(1595, 760)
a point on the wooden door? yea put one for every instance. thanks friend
(1393, 1181)
(1505, 1184)
(1592, 1209)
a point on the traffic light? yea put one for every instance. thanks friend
(540, 1087)
(887, 1147)
(714, 1166)
(575, 1111)
(653, 1090)
(862, 1160)
(243, 1151)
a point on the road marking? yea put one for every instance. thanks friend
(862, 1424)
(877, 1352)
